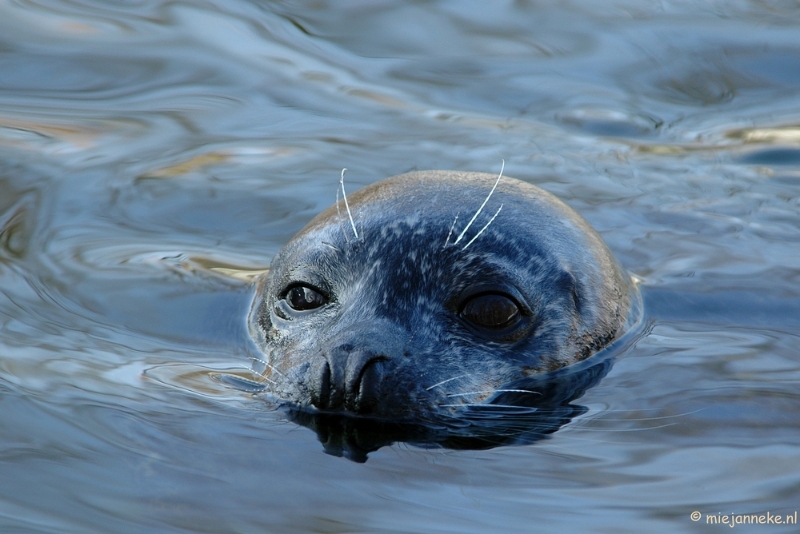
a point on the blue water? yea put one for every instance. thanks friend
(154, 155)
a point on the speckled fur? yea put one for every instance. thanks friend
(395, 289)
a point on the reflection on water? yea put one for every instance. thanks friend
(154, 155)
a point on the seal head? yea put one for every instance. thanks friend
(409, 309)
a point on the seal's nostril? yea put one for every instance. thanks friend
(349, 381)
(322, 398)
(365, 390)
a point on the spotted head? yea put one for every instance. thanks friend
(431, 292)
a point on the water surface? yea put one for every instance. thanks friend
(150, 149)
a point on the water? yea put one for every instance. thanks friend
(150, 150)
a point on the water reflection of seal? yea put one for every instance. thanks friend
(433, 292)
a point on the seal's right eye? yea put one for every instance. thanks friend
(302, 298)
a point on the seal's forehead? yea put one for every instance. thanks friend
(441, 195)
(416, 241)
(376, 231)
(433, 186)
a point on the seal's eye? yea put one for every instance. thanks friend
(491, 310)
(303, 298)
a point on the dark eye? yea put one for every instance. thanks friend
(491, 311)
(303, 298)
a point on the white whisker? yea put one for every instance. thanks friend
(339, 218)
(472, 393)
(445, 382)
(260, 375)
(483, 405)
(464, 405)
(257, 373)
(451, 230)
(609, 430)
(461, 235)
(267, 365)
(484, 228)
(521, 409)
(346, 205)
(251, 370)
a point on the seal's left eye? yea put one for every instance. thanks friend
(303, 298)
(491, 310)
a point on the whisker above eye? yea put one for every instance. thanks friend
(346, 205)
(484, 228)
(480, 209)
(452, 226)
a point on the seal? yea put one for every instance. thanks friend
(432, 293)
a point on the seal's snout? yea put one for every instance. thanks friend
(349, 379)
